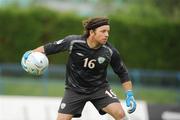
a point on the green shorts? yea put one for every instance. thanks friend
(73, 102)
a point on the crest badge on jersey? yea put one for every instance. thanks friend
(63, 105)
(101, 60)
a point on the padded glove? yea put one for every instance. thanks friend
(26, 54)
(130, 102)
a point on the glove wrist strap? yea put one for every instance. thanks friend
(129, 93)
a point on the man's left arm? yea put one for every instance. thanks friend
(121, 70)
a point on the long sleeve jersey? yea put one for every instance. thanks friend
(86, 69)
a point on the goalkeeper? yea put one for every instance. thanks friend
(86, 71)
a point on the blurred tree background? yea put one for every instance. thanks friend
(146, 32)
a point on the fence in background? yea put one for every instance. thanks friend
(138, 76)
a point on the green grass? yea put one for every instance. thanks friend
(31, 87)
(43, 87)
(152, 94)
(158, 95)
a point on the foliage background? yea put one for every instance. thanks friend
(145, 37)
(146, 32)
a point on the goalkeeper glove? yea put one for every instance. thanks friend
(130, 102)
(26, 54)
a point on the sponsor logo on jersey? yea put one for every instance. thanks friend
(59, 41)
(80, 54)
(101, 60)
(63, 105)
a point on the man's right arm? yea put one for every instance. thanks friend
(56, 46)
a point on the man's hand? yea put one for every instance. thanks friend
(130, 102)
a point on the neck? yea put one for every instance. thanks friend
(93, 44)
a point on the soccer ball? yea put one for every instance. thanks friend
(36, 63)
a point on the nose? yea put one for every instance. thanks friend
(107, 34)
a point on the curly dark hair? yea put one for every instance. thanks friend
(93, 23)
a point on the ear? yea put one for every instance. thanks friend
(91, 32)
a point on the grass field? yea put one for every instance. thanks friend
(43, 87)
